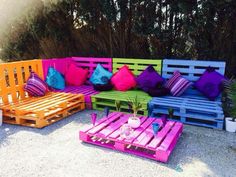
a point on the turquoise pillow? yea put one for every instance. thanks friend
(55, 79)
(100, 75)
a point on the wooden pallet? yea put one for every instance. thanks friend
(90, 63)
(191, 70)
(106, 133)
(42, 111)
(109, 99)
(60, 64)
(21, 109)
(192, 107)
(136, 65)
(190, 111)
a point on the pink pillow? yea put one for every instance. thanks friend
(123, 79)
(76, 76)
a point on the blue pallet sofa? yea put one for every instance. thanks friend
(192, 107)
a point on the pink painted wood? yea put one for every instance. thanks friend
(106, 133)
(91, 63)
(62, 64)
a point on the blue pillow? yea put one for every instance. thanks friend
(55, 79)
(100, 75)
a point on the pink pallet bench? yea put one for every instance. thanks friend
(106, 133)
(61, 64)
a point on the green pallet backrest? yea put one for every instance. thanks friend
(136, 65)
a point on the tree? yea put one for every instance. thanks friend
(196, 29)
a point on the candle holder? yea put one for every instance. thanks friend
(155, 127)
(93, 118)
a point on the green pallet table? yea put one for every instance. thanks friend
(109, 98)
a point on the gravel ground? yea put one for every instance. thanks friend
(55, 151)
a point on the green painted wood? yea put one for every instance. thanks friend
(136, 65)
(108, 99)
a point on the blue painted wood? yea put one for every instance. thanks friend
(191, 70)
(192, 107)
(192, 117)
(210, 106)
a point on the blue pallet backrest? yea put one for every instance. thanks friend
(190, 69)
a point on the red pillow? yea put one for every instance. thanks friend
(123, 79)
(75, 75)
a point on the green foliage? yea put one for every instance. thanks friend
(135, 105)
(118, 105)
(170, 112)
(203, 29)
(230, 107)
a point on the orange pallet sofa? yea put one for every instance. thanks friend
(21, 109)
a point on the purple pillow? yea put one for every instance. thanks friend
(35, 86)
(148, 79)
(177, 84)
(210, 83)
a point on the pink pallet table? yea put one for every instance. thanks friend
(106, 133)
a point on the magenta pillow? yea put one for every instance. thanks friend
(210, 83)
(35, 86)
(75, 75)
(177, 84)
(149, 79)
(123, 79)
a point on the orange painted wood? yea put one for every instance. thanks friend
(13, 77)
(21, 109)
(42, 111)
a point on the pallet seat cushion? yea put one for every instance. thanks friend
(55, 79)
(177, 84)
(35, 86)
(148, 79)
(100, 76)
(210, 83)
(123, 79)
(76, 76)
